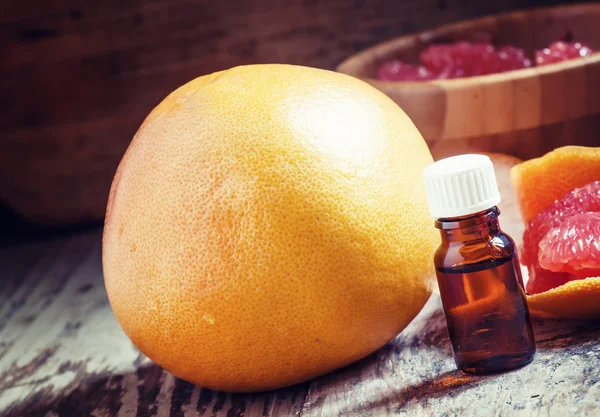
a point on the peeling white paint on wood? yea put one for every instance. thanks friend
(129, 396)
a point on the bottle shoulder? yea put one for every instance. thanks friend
(498, 246)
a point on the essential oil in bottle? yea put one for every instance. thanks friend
(477, 268)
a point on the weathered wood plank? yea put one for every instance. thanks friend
(62, 353)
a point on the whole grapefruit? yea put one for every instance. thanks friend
(268, 224)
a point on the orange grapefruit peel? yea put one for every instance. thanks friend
(579, 299)
(540, 181)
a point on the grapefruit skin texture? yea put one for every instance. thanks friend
(576, 299)
(268, 224)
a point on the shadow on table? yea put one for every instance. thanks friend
(150, 391)
(447, 383)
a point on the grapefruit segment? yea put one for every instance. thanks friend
(573, 246)
(541, 279)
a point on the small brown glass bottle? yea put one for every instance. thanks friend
(477, 268)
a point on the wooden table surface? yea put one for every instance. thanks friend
(62, 353)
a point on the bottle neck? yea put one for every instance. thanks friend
(478, 226)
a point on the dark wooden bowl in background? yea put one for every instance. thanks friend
(524, 113)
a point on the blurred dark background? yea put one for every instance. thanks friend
(77, 78)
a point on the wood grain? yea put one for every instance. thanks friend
(77, 78)
(489, 111)
(526, 143)
(63, 354)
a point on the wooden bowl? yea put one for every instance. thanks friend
(525, 112)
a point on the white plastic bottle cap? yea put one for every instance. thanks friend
(461, 185)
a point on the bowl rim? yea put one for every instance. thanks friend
(514, 75)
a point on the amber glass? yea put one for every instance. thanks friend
(482, 292)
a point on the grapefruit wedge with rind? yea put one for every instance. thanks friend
(539, 183)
